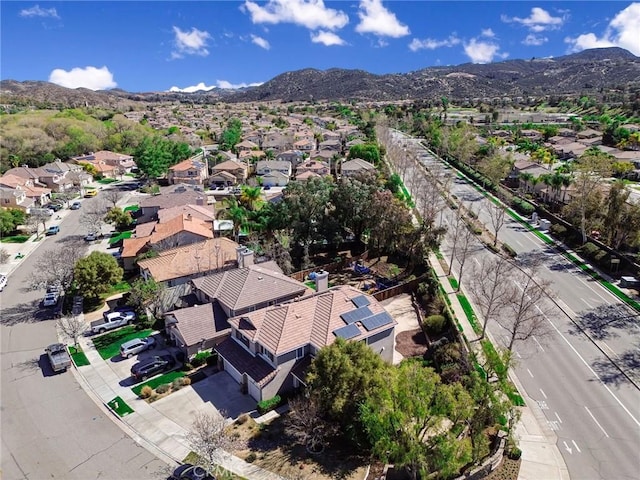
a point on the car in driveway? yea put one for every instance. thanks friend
(75, 206)
(54, 206)
(188, 471)
(50, 299)
(135, 346)
(53, 230)
(152, 366)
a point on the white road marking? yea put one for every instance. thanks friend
(520, 356)
(542, 404)
(543, 394)
(594, 419)
(558, 417)
(576, 445)
(538, 343)
(553, 425)
(568, 448)
(476, 260)
(610, 349)
(518, 242)
(588, 304)
(531, 374)
(592, 372)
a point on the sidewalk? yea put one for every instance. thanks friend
(147, 425)
(541, 458)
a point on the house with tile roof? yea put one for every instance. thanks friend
(268, 350)
(175, 196)
(120, 161)
(15, 198)
(221, 295)
(264, 167)
(238, 169)
(354, 167)
(192, 171)
(319, 168)
(179, 265)
(33, 190)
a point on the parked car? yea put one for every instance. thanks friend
(187, 471)
(3, 282)
(135, 346)
(75, 206)
(90, 193)
(152, 366)
(111, 320)
(54, 288)
(54, 206)
(92, 237)
(50, 299)
(41, 211)
(267, 187)
(53, 230)
(58, 357)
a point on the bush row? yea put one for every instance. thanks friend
(522, 206)
(265, 406)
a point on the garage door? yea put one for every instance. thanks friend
(235, 374)
(254, 391)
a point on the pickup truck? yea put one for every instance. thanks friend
(112, 320)
(58, 357)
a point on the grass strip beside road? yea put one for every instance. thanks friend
(108, 345)
(156, 382)
(468, 311)
(120, 407)
(453, 282)
(78, 356)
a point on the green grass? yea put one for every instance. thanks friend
(106, 181)
(15, 239)
(78, 356)
(439, 255)
(156, 382)
(131, 208)
(453, 282)
(468, 311)
(108, 345)
(494, 359)
(220, 473)
(116, 237)
(119, 287)
(120, 407)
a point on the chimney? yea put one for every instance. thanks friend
(239, 257)
(247, 257)
(322, 281)
(200, 201)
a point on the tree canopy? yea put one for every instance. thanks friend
(96, 274)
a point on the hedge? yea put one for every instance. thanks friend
(267, 405)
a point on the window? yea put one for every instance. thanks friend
(242, 338)
(300, 352)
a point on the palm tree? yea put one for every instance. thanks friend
(237, 214)
(526, 178)
(251, 198)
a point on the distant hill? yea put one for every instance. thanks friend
(590, 71)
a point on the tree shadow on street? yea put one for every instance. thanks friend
(27, 312)
(628, 362)
(601, 323)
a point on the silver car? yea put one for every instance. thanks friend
(135, 346)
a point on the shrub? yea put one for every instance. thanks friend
(267, 405)
(197, 362)
(515, 453)
(510, 251)
(186, 367)
(185, 381)
(589, 249)
(212, 359)
(558, 230)
(146, 391)
(242, 419)
(601, 257)
(435, 323)
(164, 388)
(177, 384)
(251, 458)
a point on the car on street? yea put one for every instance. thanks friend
(3, 282)
(75, 206)
(92, 237)
(188, 471)
(152, 366)
(54, 288)
(50, 299)
(54, 206)
(58, 357)
(53, 230)
(135, 346)
(90, 193)
(267, 187)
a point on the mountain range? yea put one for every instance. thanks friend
(593, 71)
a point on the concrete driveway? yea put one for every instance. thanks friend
(402, 311)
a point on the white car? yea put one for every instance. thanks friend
(135, 346)
(3, 282)
(50, 299)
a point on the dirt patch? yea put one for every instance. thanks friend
(508, 470)
(269, 447)
(412, 343)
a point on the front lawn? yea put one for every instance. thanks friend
(108, 345)
(106, 181)
(131, 208)
(116, 237)
(120, 287)
(15, 239)
(156, 382)
(78, 356)
(120, 407)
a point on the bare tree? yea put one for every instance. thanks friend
(526, 307)
(35, 220)
(73, 326)
(462, 252)
(56, 267)
(113, 196)
(93, 218)
(306, 424)
(453, 233)
(209, 438)
(497, 216)
(491, 292)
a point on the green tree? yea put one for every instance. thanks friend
(121, 219)
(96, 274)
(146, 293)
(232, 135)
(10, 218)
(251, 198)
(367, 151)
(352, 198)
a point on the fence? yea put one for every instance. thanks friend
(333, 267)
(406, 287)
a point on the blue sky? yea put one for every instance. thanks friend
(157, 45)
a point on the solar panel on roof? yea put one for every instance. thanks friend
(377, 320)
(356, 315)
(347, 332)
(360, 301)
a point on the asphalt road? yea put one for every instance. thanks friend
(593, 410)
(50, 427)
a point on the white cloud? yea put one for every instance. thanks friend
(538, 21)
(190, 43)
(311, 14)
(261, 42)
(37, 11)
(487, 32)
(202, 87)
(328, 39)
(431, 44)
(622, 32)
(483, 52)
(376, 19)
(88, 77)
(533, 40)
